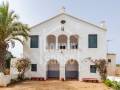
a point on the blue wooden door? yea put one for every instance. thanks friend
(53, 74)
(53, 70)
(71, 74)
(71, 70)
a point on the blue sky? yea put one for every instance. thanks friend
(35, 11)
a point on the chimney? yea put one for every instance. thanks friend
(103, 24)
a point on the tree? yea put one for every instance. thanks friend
(102, 68)
(22, 66)
(10, 29)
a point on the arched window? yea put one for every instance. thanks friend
(51, 42)
(74, 42)
(62, 42)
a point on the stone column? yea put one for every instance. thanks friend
(44, 71)
(78, 42)
(68, 42)
(56, 42)
(62, 72)
(79, 76)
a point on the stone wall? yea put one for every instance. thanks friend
(111, 65)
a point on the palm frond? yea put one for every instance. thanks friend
(9, 24)
(10, 30)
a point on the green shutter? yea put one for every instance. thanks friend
(92, 41)
(34, 41)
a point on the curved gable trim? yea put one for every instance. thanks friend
(69, 16)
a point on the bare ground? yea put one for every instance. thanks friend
(56, 85)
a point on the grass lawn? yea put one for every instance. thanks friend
(56, 85)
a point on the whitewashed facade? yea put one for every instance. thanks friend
(63, 49)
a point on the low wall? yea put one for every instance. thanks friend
(118, 71)
(113, 78)
(4, 79)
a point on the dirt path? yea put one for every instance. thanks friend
(56, 85)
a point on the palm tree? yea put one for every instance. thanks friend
(10, 29)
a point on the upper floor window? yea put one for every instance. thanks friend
(74, 42)
(34, 40)
(93, 68)
(92, 40)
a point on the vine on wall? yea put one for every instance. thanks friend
(101, 65)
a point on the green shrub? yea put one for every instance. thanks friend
(108, 83)
(116, 85)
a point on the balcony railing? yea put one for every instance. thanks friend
(63, 46)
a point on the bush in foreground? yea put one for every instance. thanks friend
(114, 84)
(22, 65)
(108, 83)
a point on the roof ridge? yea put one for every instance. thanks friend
(72, 17)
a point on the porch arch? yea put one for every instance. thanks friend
(53, 69)
(72, 69)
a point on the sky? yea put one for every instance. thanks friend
(35, 11)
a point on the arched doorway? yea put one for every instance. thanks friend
(71, 69)
(53, 69)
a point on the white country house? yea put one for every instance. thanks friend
(62, 46)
